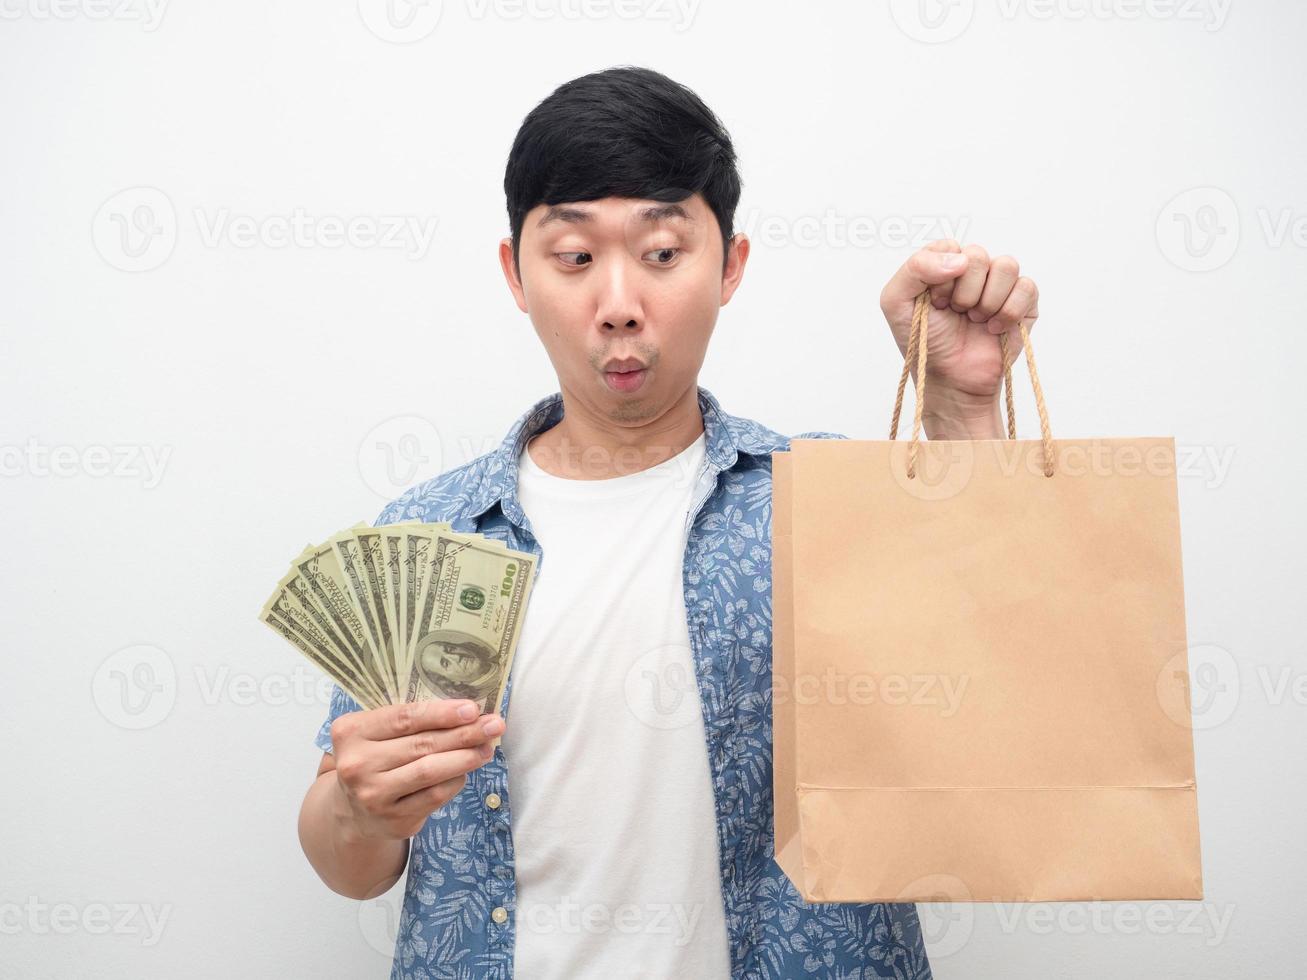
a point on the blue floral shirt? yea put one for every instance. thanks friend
(459, 905)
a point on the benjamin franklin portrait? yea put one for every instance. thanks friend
(453, 664)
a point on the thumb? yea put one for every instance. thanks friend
(925, 268)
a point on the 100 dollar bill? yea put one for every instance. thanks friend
(468, 618)
(410, 611)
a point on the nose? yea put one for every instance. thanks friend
(618, 307)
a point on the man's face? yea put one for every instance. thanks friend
(624, 294)
(448, 661)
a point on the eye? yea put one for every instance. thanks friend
(583, 258)
(666, 256)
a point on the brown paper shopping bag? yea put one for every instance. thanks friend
(980, 673)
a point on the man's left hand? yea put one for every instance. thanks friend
(974, 298)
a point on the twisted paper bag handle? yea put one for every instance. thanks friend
(917, 349)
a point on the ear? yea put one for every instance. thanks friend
(510, 274)
(737, 255)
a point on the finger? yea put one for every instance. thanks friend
(429, 770)
(1022, 303)
(966, 292)
(397, 752)
(425, 801)
(398, 720)
(941, 291)
(925, 267)
(1003, 272)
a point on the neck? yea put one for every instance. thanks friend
(586, 445)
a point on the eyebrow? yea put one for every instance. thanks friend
(577, 216)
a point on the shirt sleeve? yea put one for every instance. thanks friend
(341, 703)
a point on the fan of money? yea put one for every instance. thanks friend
(406, 612)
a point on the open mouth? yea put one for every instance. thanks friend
(625, 380)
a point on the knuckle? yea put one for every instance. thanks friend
(945, 245)
(425, 768)
(342, 728)
(424, 744)
(1005, 264)
(349, 769)
(1020, 303)
(977, 254)
(403, 717)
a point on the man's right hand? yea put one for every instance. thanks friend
(398, 764)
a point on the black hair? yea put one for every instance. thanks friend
(625, 131)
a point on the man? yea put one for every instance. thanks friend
(623, 827)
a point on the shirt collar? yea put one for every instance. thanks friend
(725, 437)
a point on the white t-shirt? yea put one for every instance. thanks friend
(613, 822)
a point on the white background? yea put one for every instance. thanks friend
(1144, 162)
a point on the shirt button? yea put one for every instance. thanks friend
(499, 914)
(493, 801)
